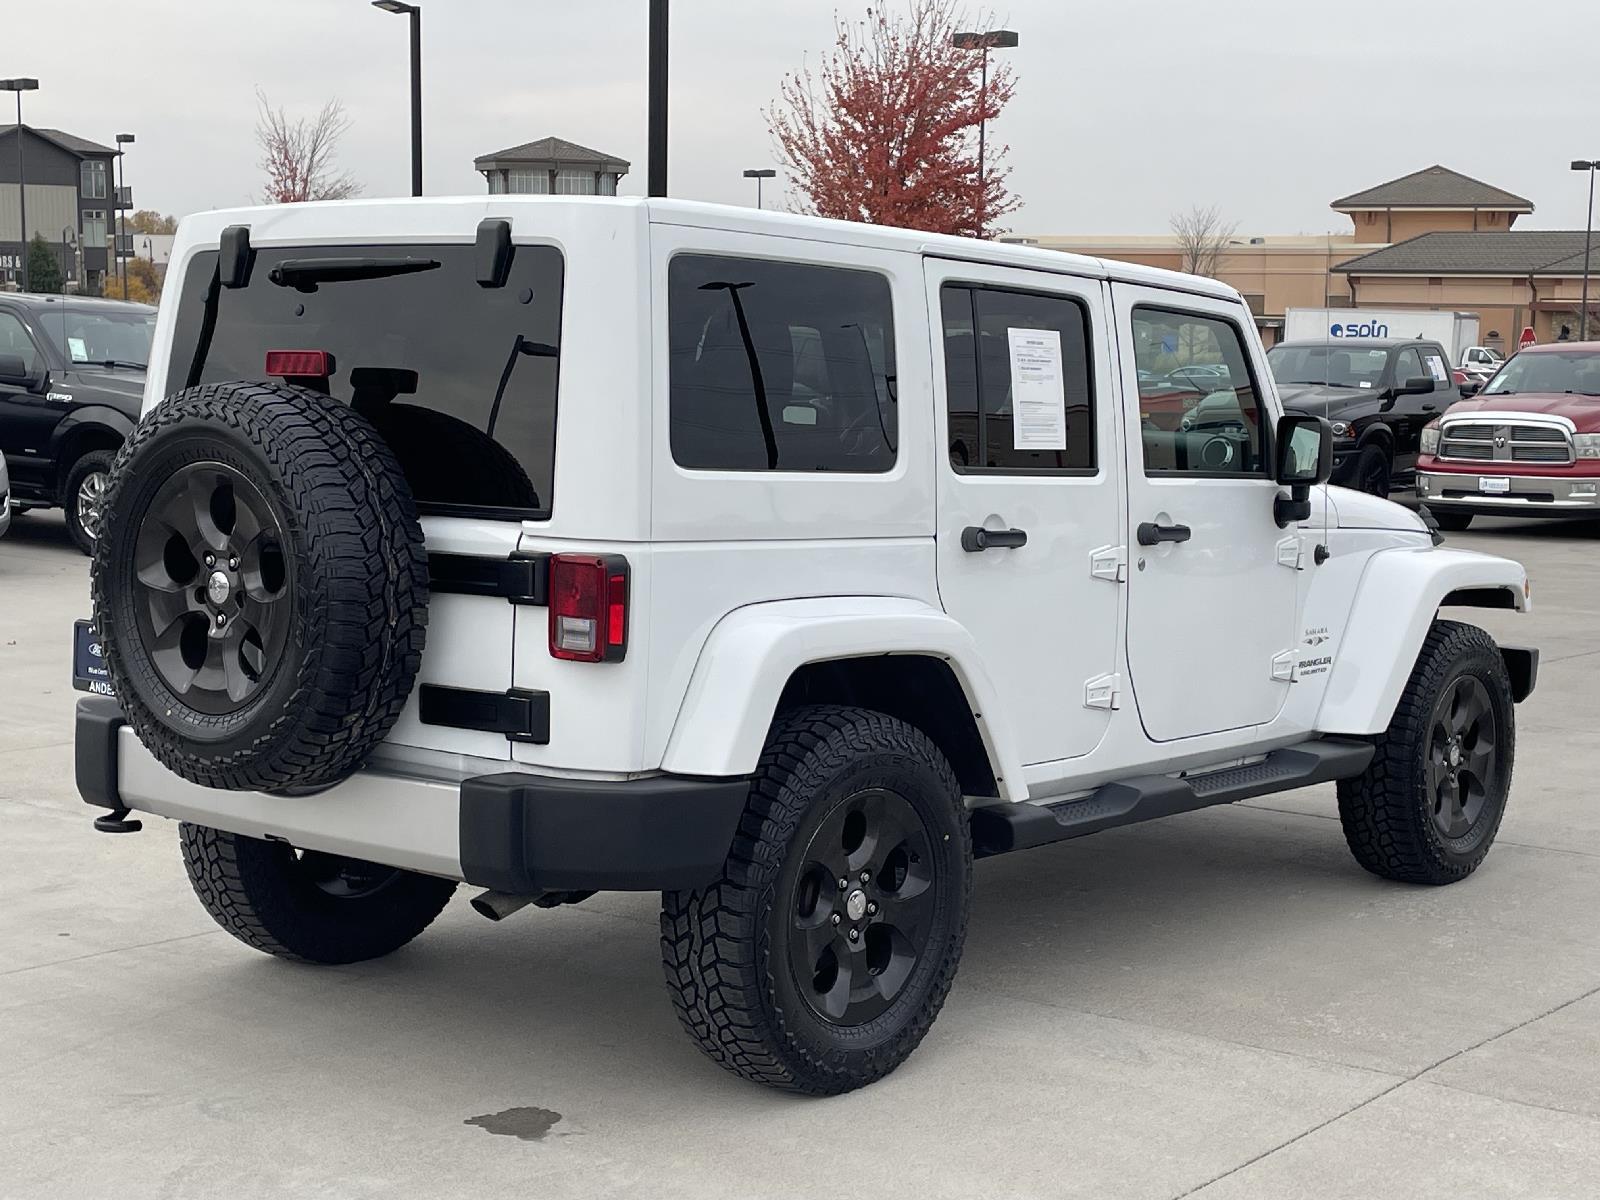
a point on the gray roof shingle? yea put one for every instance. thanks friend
(553, 149)
(68, 142)
(1433, 187)
(1515, 252)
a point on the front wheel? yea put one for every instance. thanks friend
(1427, 808)
(1374, 471)
(819, 959)
(305, 905)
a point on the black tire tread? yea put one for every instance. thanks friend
(713, 941)
(1379, 809)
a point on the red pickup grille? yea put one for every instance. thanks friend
(1481, 441)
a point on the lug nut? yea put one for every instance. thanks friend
(855, 935)
(221, 620)
(843, 883)
(233, 564)
(835, 918)
(211, 560)
(872, 910)
(866, 877)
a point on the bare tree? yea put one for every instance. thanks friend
(1203, 236)
(297, 156)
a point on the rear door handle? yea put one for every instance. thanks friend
(1151, 534)
(975, 538)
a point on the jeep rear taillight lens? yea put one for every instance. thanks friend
(588, 607)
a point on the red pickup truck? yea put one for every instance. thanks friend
(1527, 445)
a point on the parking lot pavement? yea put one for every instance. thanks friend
(1221, 1005)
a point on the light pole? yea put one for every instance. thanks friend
(656, 136)
(997, 39)
(758, 174)
(1589, 165)
(68, 258)
(19, 86)
(415, 13)
(123, 139)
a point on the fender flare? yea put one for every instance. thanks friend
(1396, 602)
(89, 418)
(752, 652)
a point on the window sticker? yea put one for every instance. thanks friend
(1436, 368)
(78, 349)
(1038, 395)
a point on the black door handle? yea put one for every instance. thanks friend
(1151, 534)
(975, 537)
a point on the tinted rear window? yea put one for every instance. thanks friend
(461, 379)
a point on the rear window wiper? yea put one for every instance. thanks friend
(305, 273)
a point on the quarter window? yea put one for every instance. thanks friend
(780, 366)
(1199, 407)
(1017, 379)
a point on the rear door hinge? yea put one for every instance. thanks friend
(1290, 553)
(1283, 667)
(1103, 691)
(1109, 563)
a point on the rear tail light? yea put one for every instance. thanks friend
(588, 607)
(299, 364)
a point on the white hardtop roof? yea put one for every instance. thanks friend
(296, 219)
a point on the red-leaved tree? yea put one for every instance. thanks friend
(297, 156)
(885, 130)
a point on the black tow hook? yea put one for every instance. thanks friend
(116, 821)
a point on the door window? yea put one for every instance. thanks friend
(14, 340)
(1017, 373)
(1407, 366)
(1202, 360)
(780, 366)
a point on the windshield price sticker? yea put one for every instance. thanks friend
(1038, 395)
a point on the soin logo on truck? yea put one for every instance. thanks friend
(1358, 329)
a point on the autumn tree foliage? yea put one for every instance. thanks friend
(885, 129)
(297, 156)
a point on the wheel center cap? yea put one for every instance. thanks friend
(218, 588)
(855, 905)
(1455, 754)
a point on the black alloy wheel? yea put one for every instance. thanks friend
(215, 606)
(1462, 757)
(863, 907)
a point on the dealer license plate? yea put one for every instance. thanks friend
(1493, 485)
(89, 673)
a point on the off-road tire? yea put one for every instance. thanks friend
(1374, 471)
(357, 579)
(1386, 811)
(259, 892)
(87, 464)
(722, 946)
(1452, 522)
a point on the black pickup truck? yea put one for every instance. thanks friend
(71, 384)
(1377, 392)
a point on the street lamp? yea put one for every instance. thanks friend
(19, 86)
(123, 139)
(996, 39)
(1589, 165)
(758, 175)
(415, 13)
(656, 101)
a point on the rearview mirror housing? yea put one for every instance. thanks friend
(1418, 386)
(15, 372)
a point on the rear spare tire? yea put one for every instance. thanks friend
(261, 586)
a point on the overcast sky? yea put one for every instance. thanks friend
(1125, 110)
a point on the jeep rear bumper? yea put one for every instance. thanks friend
(512, 831)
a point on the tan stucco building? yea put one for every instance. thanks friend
(1431, 240)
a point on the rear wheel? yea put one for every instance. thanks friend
(305, 905)
(83, 493)
(820, 958)
(1452, 522)
(1427, 808)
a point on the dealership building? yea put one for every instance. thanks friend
(1434, 240)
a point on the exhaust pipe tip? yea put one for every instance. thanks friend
(497, 906)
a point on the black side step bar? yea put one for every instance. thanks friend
(1000, 828)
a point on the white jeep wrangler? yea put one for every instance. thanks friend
(784, 566)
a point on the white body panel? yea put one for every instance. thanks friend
(1453, 330)
(738, 579)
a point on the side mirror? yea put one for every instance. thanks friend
(15, 372)
(1420, 386)
(1471, 387)
(1303, 453)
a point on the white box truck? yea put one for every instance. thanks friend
(1456, 331)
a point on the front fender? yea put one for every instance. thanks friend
(1398, 597)
(753, 651)
(89, 416)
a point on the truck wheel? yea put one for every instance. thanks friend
(1373, 471)
(819, 959)
(260, 585)
(83, 492)
(1452, 522)
(1427, 808)
(304, 905)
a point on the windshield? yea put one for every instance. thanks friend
(103, 336)
(1574, 372)
(1337, 366)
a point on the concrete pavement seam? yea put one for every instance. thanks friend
(61, 962)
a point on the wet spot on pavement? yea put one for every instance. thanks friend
(527, 1124)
